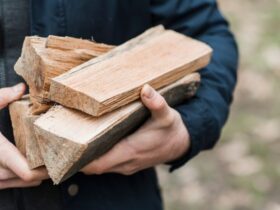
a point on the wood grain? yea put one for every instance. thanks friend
(80, 45)
(69, 139)
(24, 134)
(44, 58)
(157, 57)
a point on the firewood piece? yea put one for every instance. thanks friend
(38, 63)
(157, 57)
(24, 134)
(81, 45)
(69, 139)
(38, 106)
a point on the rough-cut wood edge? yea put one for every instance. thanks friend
(33, 154)
(35, 67)
(40, 107)
(24, 133)
(15, 110)
(31, 59)
(52, 156)
(70, 43)
(30, 66)
(78, 155)
(65, 95)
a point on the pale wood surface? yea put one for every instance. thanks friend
(23, 128)
(157, 57)
(81, 45)
(45, 58)
(69, 139)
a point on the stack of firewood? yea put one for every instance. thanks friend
(84, 96)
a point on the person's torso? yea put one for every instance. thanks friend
(106, 21)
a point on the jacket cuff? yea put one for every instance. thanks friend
(197, 120)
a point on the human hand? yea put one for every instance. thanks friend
(14, 170)
(161, 139)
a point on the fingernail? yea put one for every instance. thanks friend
(148, 91)
(18, 88)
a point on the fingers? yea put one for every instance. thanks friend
(39, 174)
(6, 174)
(148, 146)
(126, 169)
(17, 183)
(10, 94)
(12, 159)
(121, 153)
(156, 104)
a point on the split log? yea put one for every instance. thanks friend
(24, 134)
(78, 45)
(42, 59)
(157, 57)
(69, 139)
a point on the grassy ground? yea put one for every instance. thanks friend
(243, 171)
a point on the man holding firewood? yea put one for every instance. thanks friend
(124, 177)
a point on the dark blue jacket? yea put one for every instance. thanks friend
(114, 22)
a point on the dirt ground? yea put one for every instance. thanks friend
(243, 171)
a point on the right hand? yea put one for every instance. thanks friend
(14, 170)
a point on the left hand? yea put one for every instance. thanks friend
(161, 139)
(14, 170)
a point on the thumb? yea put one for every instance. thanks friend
(10, 94)
(12, 159)
(155, 103)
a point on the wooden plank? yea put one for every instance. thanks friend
(69, 139)
(81, 45)
(42, 59)
(24, 134)
(157, 57)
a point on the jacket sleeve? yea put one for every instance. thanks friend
(204, 115)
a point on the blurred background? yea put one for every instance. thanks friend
(243, 171)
